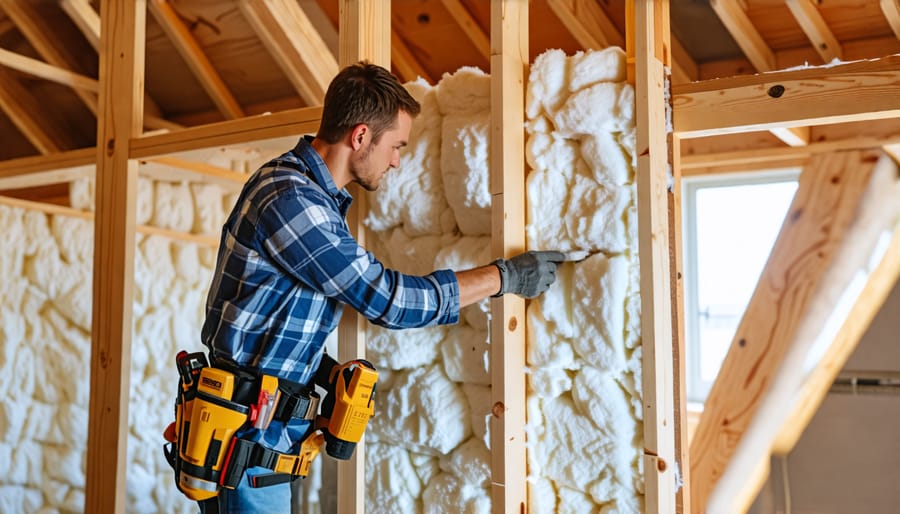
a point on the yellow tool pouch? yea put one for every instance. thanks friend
(211, 406)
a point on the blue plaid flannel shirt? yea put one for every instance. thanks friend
(286, 265)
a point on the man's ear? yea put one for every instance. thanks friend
(358, 135)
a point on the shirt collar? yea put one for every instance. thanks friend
(319, 172)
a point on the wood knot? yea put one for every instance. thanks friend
(513, 324)
(498, 409)
(776, 91)
(110, 146)
(661, 465)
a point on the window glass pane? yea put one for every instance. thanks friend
(735, 229)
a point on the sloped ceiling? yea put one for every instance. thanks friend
(246, 69)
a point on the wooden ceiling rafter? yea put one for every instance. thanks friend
(813, 24)
(25, 112)
(825, 251)
(198, 62)
(295, 44)
(734, 17)
(588, 23)
(88, 22)
(404, 62)
(85, 18)
(593, 29)
(738, 24)
(38, 34)
(891, 11)
(470, 27)
(46, 71)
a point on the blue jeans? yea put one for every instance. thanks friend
(273, 499)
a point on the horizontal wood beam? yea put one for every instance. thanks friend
(294, 122)
(193, 171)
(832, 187)
(62, 210)
(45, 178)
(40, 163)
(854, 91)
(692, 165)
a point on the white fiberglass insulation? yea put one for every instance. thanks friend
(45, 344)
(428, 444)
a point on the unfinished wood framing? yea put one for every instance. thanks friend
(364, 33)
(891, 11)
(469, 26)
(734, 18)
(196, 59)
(854, 91)
(295, 44)
(407, 66)
(24, 110)
(825, 206)
(820, 36)
(88, 22)
(121, 92)
(61, 210)
(827, 332)
(651, 39)
(509, 62)
(45, 71)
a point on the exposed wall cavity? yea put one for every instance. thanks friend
(428, 445)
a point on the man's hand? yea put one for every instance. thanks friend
(528, 274)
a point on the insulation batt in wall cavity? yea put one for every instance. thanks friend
(45, 342)
(428, 445)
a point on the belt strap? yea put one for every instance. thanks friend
(245, 454)
(297, 400)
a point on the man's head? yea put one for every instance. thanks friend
(369, 110)
(363, 93)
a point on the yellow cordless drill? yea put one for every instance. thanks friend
(349, 404)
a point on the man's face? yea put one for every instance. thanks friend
(375, 159)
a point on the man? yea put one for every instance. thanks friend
(287, 262)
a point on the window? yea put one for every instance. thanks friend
(730, 225)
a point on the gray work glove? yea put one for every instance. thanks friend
(528, 274)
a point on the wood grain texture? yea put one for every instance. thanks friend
(658, 329)
(509, 62)
(813, 96)
(121, 95)
(824, 206)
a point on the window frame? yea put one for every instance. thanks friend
(696, 389)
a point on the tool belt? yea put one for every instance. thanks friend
(212, 405)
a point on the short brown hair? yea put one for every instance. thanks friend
(363, 93)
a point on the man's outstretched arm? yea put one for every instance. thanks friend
(528, 274)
